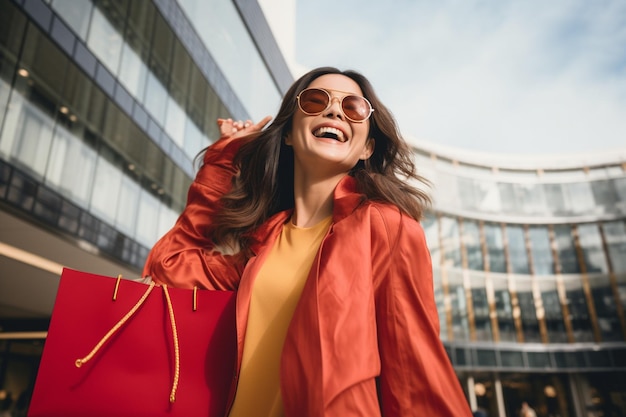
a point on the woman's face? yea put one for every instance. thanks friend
(330, 142)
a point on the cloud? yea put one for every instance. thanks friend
(504, 76)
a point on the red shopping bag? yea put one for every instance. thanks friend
(142, 350)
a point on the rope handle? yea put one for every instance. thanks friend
(80, 362)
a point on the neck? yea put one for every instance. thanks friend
(313, 198)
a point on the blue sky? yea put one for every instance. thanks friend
(530, 76)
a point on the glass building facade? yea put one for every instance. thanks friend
(104, 106)
(530, 278)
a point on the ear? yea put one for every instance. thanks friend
(368, 150)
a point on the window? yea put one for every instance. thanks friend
(495, 247)
(518, 258)
(540, 250)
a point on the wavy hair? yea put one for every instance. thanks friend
(265, 184)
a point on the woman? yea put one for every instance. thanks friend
(314, 222)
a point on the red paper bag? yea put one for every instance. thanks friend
(149, 346)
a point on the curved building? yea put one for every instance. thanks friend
(529, 257)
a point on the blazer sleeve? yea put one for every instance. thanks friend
(185, 256)
(417, 378)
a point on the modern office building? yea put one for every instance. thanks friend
(104, 105)
(529, 256)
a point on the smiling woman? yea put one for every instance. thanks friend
(313, 222)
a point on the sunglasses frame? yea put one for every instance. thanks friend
(330, 102)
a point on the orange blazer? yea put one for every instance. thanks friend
(364, 338)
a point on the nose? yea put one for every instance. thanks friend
(334, 108)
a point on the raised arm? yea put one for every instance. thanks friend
(185, 256)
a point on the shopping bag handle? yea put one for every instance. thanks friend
(80, 362)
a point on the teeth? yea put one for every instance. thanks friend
(330, 132)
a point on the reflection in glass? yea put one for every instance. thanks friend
(495, 247)
(504, 308)
(604, 303)
(605, 196)
(566, 251)
(71, 167)
(75, 14)
(540, 250)
(471, 242)
(528, 314)
(451, 241)
(615, 235)
(460, 326)
(591, 245)
(147, 218)
(105, 39)
(106, 190)
(27, 135)
(552, 309)
(578, 311)
(440, 302)
(518, 257)
(133, 72)
(126, 216)
(429, 223)
(480, 304)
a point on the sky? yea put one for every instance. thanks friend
(516, 77)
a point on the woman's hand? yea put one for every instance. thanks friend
(233, 129)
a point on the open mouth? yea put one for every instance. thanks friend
(330, 133)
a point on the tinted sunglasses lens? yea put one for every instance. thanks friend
(313, 101)
(356, 108)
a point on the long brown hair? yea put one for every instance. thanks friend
(265, 185)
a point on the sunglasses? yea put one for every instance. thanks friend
(314, 101)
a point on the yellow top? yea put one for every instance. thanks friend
(275, 295)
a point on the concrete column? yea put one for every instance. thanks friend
(471, 393)
(499, 397)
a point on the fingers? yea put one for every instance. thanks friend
(230, 127)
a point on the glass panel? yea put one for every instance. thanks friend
(156, 98)
(27, 135)
(430, 225)
(504, 309)
(106, 190)
(540, 250)
(440, 302)
(495, 247)
(105, 36)
(71, 168)
(126, 217)
(528, 314)
(578, 311)
(555, 199)
(480, 303)
(175, 121)
(552, 309)
(566, 250)
(460, 326)
(75, 14)
(615, 235)
(471, 241)
(147, 218)
(605, 196)
(167, 218)
(604, 303)
(578, 198)
(451, 242)
(518, 257)
(591, 245)
(133, 71)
